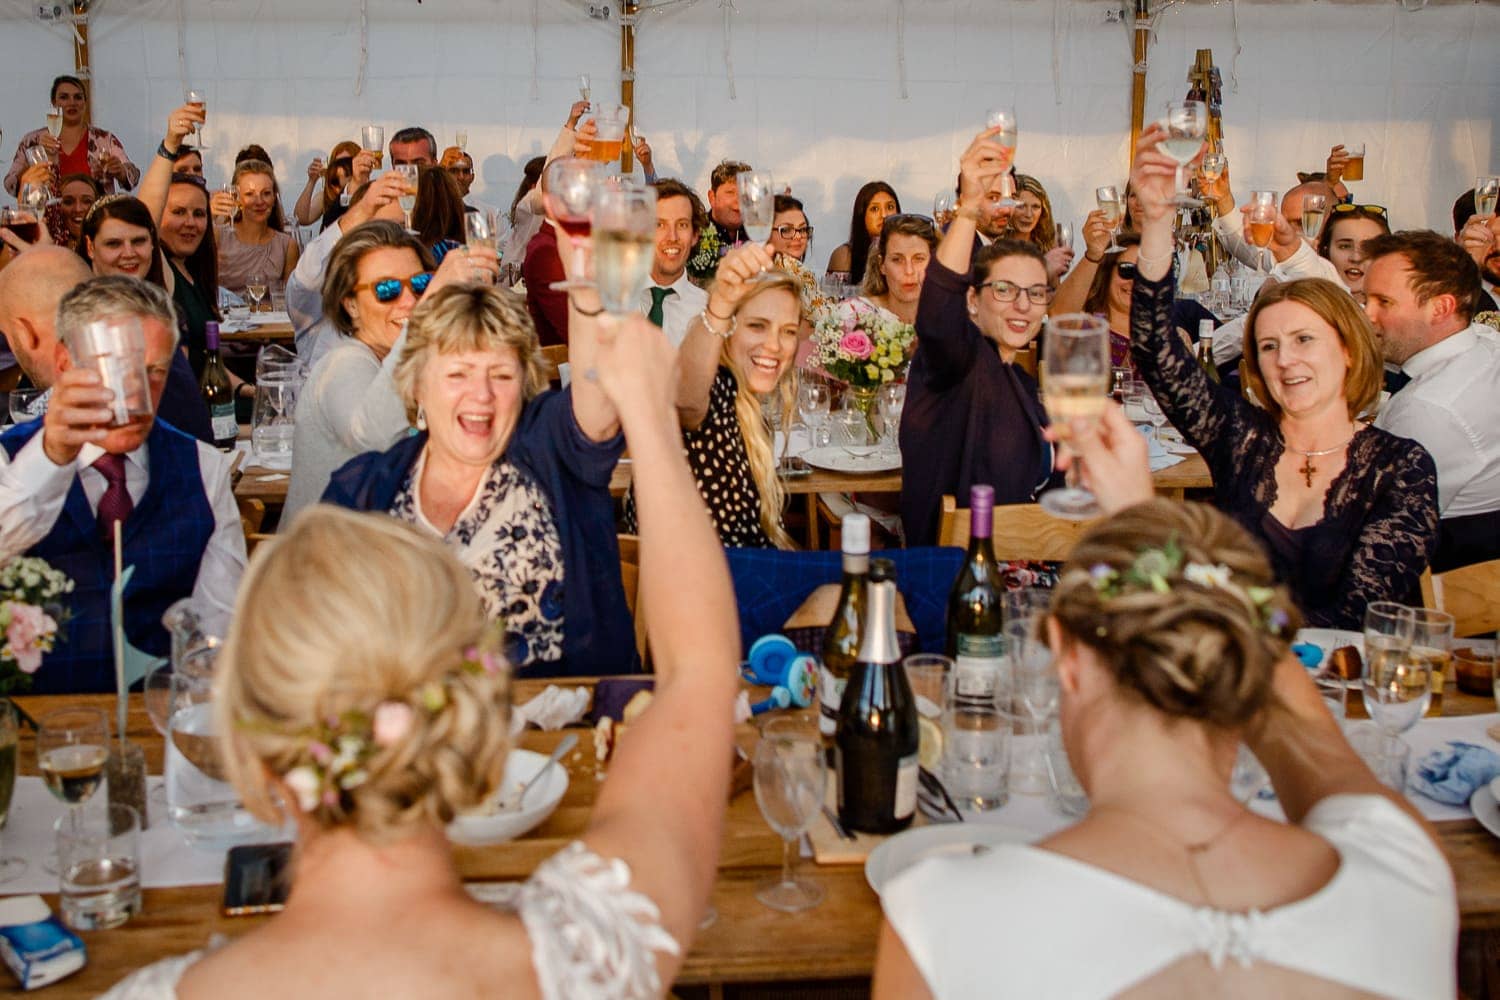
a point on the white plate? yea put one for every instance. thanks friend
(476, 829)
(1486, 809)
(860, 459)
(947, 840)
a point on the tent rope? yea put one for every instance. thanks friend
(364, 46)
(729, 11)
(901, 48)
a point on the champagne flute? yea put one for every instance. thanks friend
(790, 773)
(624, 234)
(1314, 211)
(72, 745)
(891, 401)
(944, 209)
(199, 99)
(570, 184)
(1065, 234)
(1003, 119)
(757, 204)
(1262, 219)
(1113, 206)
(813, 402)
(54, 122)
(461, 140)
(1187, 125)
(585, 90)
(1486, 193)
(1076, 378)
(408, 196)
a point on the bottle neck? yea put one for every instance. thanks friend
(981, 522)
(856, 563)
(878, 644)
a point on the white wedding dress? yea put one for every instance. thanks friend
(592, 936)
(1027, 922)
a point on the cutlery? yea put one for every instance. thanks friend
(568, 742)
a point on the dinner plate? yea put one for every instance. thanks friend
(479, 828)
(947, 840)
(860, 459)
(1486, 809)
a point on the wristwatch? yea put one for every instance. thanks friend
(164, 152)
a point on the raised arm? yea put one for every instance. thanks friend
(669, 831)
(304, 211)
(159, 172)
(1074, 290)
(698, 357)
(592, 409)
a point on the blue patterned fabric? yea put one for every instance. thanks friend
(770, 584)
(164, 539)
(1453, 773)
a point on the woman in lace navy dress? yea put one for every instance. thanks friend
(1347, 512)
(358, 632)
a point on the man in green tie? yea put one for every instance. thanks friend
(672, 300)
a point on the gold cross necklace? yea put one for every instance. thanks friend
(1308, 469)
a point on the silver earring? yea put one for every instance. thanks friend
(421, 419)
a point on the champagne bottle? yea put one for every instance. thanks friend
(841, 644)
(976, 604)
(217, 392)
(1206, 349)
(876, 741)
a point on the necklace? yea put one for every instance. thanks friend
(1308, 469)
(1193, 849)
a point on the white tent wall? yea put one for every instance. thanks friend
(817, 87)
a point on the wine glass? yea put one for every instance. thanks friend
(891, 401)
(1075, 385)
(1003, 119)
(944, 209)
(1432, 642)
(72, 745)
(408, 196)
(461, 140)
(1262, 219)
(1396, 685)
(54, 122)
(1065, 234)
(813, 401)
(757, 204)
(255, 290)
(570, 184)
(1212, 166)
(1486, 194)
(372, 140)
(35, 197)
(199, 98)
(624, 235)
(1314, 211)
(1036, 690)
(789, 777)
(1155, 415)
(585, 90)
(1109, 202)
(1187, 125)
(11, 866)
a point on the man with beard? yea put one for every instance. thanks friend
(671, 300)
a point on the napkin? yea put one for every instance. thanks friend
(1159, 462)
(552, 709)
(1452, 773)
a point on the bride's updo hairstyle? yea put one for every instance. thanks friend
(351, 675)
(1179, 604)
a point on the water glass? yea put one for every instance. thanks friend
(891, 401)
(1432, 642)
(927, 674)
(813, 401)
(273, 420)
(1248, 777)
(28, 404)
(99, 867)
(1064, 791)
(977, 736)
(372, 140)
(757, 190)
(1065, 234)
(850, 428)
(790, 775)
(1036, 694)
(1387, 755)
(115, 348)
(11, 866)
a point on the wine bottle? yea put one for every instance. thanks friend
(1206, 349)
(841, 643)
(976, 604)
(217, 392)
(876, 741)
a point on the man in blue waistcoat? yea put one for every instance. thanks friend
(67, 480)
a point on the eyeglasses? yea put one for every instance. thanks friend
(389, 289)
(1008, 291)
(1372, 209)
(469, 171)
(794, 232)
(1127, 270)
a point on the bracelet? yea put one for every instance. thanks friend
(1092, 260)
(722, 334)
(582, 311)
(164, 152)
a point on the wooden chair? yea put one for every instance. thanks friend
(252, 515)
(1021, 531)
(1471, 594)
(552, 357)
(630, 578)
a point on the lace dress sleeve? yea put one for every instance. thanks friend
(1212, 418)
(592, 936)
(157, 981)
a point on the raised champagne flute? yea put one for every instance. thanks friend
(1003, 119)
(790, 773)
(585, 89)
(944, 209)
(1262, 224)
(72, 745)
(757, 204)
(1187, 125)
(1065, 234)
(1113, 207)
(624, 235)
(461, 140)
(1076, 378)
(54, 122)
(408, 197)
(1486, 194)
(570, 184)
(198, 99)
(1314, 211)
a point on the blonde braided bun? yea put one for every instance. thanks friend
(340, 615)
(1190, 649)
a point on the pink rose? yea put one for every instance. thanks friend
(392, 722)
(29, 627)
(857, 345)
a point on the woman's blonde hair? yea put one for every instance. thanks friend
(1336, 307)
(749, 412)
(1044, 233)
(1188, 648)
(468, 318)
(342, 614)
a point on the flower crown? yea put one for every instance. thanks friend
(1154, 569)
(339, 748)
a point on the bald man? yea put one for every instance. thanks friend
(30, 289)
(1294, 256)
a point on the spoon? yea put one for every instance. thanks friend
(567, 743)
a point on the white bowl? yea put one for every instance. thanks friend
(479, 828)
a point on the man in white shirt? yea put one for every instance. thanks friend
(1422, 289)
(671, 300)
(67, 482)
(1294, 256)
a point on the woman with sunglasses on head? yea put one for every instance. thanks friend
(1343, 238)
(1346, 511)
(972, 415)
(872, 205)
(349, 404)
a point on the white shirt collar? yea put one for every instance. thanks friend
(676, 286)
(1446, 349)
(89, 454)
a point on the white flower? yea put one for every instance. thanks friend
(1208, 576)
(304, 783)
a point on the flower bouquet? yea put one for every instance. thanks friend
(31, 617)
(861, 345)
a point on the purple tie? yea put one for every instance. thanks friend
(115, 505)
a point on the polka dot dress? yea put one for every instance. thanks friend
(716, 454)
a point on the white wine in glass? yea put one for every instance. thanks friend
(1486, 194)
(624, 235)
(408, 197)
(757, 204)
(461, 140)
(1076, 378)
(199, 99)
(1004, 119)
(1314, 211)
(1113, 209)
(54, 122)
(1187, 125)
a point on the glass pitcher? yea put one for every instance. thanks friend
(278, 382)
